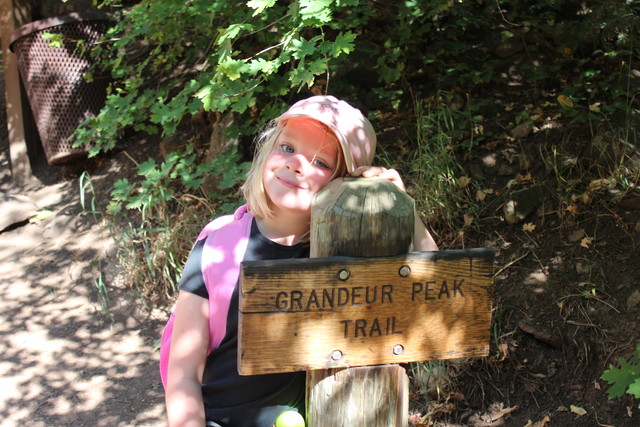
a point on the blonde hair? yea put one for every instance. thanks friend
(253, 188)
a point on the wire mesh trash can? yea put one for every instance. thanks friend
(53, 77)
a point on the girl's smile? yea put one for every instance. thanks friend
(288, 183)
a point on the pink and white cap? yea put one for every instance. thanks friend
(354, 132)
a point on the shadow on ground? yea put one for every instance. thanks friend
(69, 355)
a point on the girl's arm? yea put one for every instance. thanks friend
(422, 240)
(189, 345)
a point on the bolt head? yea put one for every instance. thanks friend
(344, 274)
(404, 271)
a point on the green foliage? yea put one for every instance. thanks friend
(55, 39)
(172, 58)
(438, 181)
(169, 212)
(626, 378)
(448, 63)
(430, 377)
(156, 189)
(153, 244)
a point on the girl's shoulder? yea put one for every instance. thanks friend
(240, 215)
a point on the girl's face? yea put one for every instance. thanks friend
(303, 160)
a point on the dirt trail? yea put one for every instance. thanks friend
(64, 362)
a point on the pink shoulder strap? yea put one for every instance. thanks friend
(221, 266)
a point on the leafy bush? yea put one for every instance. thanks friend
(175, 58)
(454, 60)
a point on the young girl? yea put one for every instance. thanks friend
(315, 141)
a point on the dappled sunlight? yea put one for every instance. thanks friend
(64, 361)
(300, 315)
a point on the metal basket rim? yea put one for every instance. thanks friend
(42, 24)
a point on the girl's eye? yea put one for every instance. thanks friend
(287, 148)
(321, 164)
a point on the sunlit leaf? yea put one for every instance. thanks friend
(578, 410)
(634, 388)
(260, 5)
(41, 215)
(342, 44)
(55, 39)
(587, 242)
(565, 101)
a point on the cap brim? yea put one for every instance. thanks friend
(346, 151)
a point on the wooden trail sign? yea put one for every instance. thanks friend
(339, 311)
(386, 306)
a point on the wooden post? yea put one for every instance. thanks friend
(20, 166)
(361, 218)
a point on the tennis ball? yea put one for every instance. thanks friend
(290, 419)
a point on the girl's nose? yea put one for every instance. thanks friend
(298, 163)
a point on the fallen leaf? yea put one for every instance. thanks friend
(542, 423)
(529, 227)
(572, 209)
(41, 216)
(480, 195)
(578, 410)
(601, 184)
(565, 101)
(586, 242)
(524, 178)
(511, 183)
(464, 181)
(468, 220)
(504, 412)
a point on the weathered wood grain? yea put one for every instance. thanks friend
(434, 305)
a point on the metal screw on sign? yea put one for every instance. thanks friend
(398, 349)
(344, 274)
(336, 355)
(404, 271)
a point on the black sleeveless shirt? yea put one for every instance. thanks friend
(231, 399)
